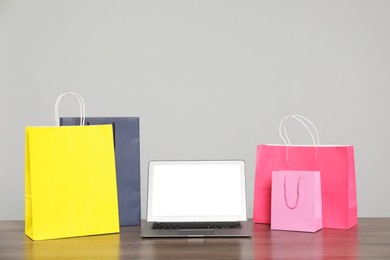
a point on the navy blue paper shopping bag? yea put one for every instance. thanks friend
(127, 159)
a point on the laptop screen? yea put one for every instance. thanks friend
(196, 191)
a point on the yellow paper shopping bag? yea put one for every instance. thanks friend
(70, 180)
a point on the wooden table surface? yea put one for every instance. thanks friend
(370, 239)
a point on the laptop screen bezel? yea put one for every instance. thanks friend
(151, 217)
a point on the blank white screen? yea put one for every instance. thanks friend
(196, 191)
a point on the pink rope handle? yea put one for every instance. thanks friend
(285, 196)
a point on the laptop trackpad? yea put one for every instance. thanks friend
(201, 232)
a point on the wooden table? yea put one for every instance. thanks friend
(370, 239)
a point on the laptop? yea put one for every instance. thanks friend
(196, 199)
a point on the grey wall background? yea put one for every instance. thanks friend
(209, 79)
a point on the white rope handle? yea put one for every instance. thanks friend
(81, 104)
(303, 120)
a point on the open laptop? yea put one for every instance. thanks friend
(196, 199)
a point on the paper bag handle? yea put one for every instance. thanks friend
(81, 104)
(285, 196)
(303, 120)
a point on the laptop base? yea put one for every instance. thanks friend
(148, 232)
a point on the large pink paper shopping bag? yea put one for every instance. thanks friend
(296, 201)
(337, 167)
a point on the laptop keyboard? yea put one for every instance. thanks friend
(197, 225)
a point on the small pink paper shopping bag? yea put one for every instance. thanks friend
(296, 201)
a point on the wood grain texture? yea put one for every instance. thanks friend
(370, 239)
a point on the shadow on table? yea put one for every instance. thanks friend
(90, 247)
